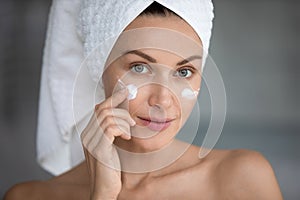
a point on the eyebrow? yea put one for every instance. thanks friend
(153, 60)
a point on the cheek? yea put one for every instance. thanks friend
(110, 78)
(138, 104)
(196, 82)
(187, 107)
(109, 88)
(110, 84)
(181, 107)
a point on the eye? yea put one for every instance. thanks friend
(184, 73)
(139, 68)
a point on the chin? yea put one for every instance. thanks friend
(148, 145)
(145, 140)
(155, 142)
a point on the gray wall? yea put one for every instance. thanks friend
(255, 45)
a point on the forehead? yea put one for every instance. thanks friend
(169, 22)
(159, 38)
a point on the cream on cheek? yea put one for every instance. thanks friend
(186, 93)
(132, 90)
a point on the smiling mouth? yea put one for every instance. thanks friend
(156, 124)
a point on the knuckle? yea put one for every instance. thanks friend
(100, 106)
(114, 130)
(109, 121)
(109, 129)
(104, 112)
(97, 106)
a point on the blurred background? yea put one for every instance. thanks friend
(255, 44)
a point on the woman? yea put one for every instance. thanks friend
(156, 108)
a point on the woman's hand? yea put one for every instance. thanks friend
(102, 159)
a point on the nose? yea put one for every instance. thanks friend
(161, 96)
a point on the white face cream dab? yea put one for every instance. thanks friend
(132, 90)
(188, 93)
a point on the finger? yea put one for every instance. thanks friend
(116, 112)
(114, 100)
(90, 132)
(115, 121)
(93, 139)
(113, 131)
(105, 120)
(103, 138)
(101, 147)
(112, 126)
(90, 129)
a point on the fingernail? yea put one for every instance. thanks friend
(132, 122)
(128, 135)
(121, 83)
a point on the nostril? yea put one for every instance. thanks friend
(157, 112)
(161, 100)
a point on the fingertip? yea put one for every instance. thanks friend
(127, 136)
(118, 97)
(132, 122)
(123, 89)
(123, 93)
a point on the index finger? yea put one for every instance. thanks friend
(115, 99)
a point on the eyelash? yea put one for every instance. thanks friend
(189, 68)
(133, 65)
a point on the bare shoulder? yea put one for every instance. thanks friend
(246, 174)
(70, 185)
(26, 190)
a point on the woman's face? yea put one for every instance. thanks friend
(163, 73)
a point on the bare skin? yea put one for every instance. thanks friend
(222, 174)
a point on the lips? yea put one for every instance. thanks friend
(156, 124)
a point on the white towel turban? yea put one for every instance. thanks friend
(75, 28)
